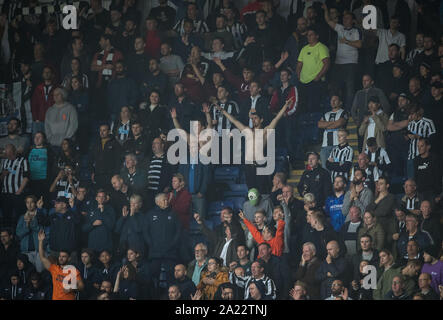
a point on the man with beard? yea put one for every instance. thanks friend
(155, 80)
(334, 203)
(358, 194)
(21, 143)
(372, 172)
(396, 142)
(338, 291)
(428, 170)
(60, 289)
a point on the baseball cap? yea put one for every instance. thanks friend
(62, 199)
(253, 196)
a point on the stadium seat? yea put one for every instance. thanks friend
(227, 174)
(236, 190)
(216, 207)
(238, 202)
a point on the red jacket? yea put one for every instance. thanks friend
(39, 104)
(181, 204)
(277, 243)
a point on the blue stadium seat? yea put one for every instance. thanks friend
(216, 207)
(227, 174)
(215, 220)
(238, 202)
(236, 190)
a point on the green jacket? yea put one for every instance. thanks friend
(384, 283)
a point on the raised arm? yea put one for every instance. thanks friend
(232, 119)
(328, 20)
(280, 114)
(41, 250)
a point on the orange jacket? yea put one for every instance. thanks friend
(277, 243)
(210, 290)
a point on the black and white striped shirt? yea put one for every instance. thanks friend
(380, 157)
(64, 189)
(239, 32)
(18, 170)
(199, 27)
(330, 136)
(154, 172)
(372, 176)
(232, 108)
(411, 203)
(342, 156)
(243, 282)
(424, 128)
(122, 132)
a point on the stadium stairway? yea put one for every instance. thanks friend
(295, 174)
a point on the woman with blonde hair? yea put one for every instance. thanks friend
(180, 200)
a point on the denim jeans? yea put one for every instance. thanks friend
(324, 155)
(410, 168)
(199, 205)
(343, 75)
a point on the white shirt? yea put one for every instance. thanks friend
(253, 103)
(371, 126)
(345, 52)
(225, 251)
(385, 39)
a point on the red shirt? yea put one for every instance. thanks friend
(181, 204)
(153, 44)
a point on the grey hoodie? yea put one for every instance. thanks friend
(61, 122)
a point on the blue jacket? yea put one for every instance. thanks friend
(24, 233)
(333, 209)
(162, 233)
(131, 231)
(202, 176)
(99, 237)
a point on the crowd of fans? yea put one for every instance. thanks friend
(86, 179)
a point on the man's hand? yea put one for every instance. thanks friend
(41, 235)
(329, 259)
(71, 202)
(330, 160)
(205, 107)
(217, 61)
(125, 211)
(197, 296)
(395, 236)
(232, 266)
(197, 218)
(284, 55)
(199, 195)
(173, 113)
(241, 215)
(97, 223)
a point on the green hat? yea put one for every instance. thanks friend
(253, 196)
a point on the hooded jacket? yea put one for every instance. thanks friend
(162, 233)
(100, 237)
(25, 273)
(26, 234)
(61, 122)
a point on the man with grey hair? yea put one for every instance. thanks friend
(61, 120)
(162, 234)
(199, 264)
(132, 175)
(307, 269)
(349, 231)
